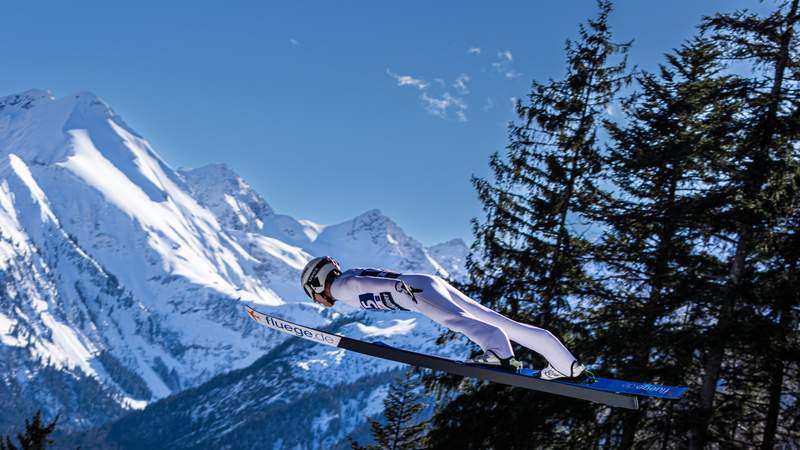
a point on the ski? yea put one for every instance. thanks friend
(607, 391)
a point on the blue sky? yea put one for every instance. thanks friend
(328, 109)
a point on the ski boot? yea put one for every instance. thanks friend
(490, 358)
(578, 373)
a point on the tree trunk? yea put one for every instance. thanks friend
(666, 434)
(776, 382)
(563, 239)
(775, 391)
(777, 369)
(717, 345)
(765, 141)
(629, 427)
(654, 308)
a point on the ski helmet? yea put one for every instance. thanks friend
(316, 274)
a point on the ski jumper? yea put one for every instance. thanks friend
(376, 289)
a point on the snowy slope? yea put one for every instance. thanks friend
(122, 212)
(123, 279)
(451, 257)
(300, 395)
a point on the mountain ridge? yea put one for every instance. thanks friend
(125, 278)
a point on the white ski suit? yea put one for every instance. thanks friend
(376, 289)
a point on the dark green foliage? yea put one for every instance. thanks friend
(493, 416)
(529, 254)
(128, 380)
(82, 395)
(36, 436)
(529, 258)
(693, 279)
(169, 377)
(401, 429)
(663, 166)
(778, 406)
(761, 180)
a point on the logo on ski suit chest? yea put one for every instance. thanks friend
(383, 301)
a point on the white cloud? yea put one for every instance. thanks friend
(461, 83)
(489, 104)
(408, 80)
(504, 64)
(440, 106)
(514, 104)
(294, 42)
(474, 50)
(435, 106)
(444, 105)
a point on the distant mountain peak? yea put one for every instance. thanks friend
(39, 97)
(27, 99)
(378, 227)
(221, 178)
(36, 97)
(372, 216)
(456, 242)
(219, 168)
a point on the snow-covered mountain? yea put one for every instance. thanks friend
(365, 240)
(299, 396)
(124, 279)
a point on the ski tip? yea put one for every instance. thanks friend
(251, 312)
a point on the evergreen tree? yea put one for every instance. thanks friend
(402, 429)
(695, 280)
(36, 436)
(777, 353)
(661, 165)
(530, 255)
(761, 178)
(529, 259)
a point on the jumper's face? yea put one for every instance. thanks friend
(324, 298)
